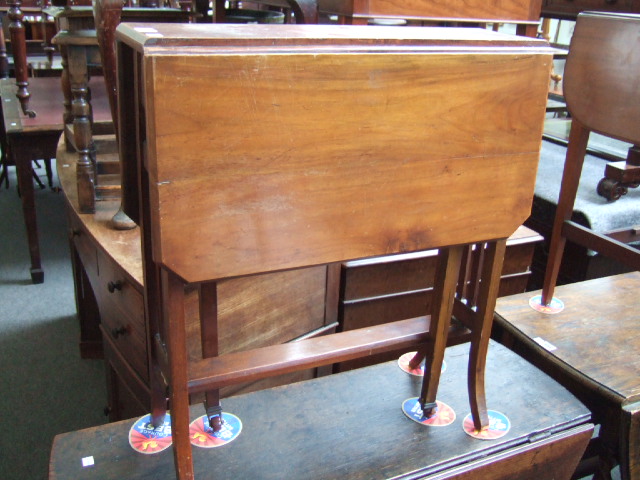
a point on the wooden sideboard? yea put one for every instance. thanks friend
(107, 267)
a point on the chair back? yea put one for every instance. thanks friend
(602, 75)
(602, 90)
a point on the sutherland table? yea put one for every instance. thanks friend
(367, 436)
(36, 138)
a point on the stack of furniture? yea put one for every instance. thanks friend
(587, 337)
(551, 442)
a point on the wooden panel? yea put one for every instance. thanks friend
(406, 273)
(555, 454)
(262, 310)
(478, 10)
(122, 313)
(474, 10)
(128, 394)
(288, 205)
(600, 58)
(389, 275)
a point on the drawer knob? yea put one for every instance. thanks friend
(116, 332)
(75, 232)
(113, 286)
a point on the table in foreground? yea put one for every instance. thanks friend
(351, 425)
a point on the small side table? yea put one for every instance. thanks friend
(29, 139)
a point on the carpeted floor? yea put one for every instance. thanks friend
(45, 387)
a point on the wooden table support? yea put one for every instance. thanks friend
(19, 46)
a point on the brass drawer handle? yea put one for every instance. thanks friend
(113, 286)
(121, 330)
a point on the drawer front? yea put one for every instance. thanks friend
(129, 396)
(384, 289)
(84, 246)
(122, 313)
(387, 276)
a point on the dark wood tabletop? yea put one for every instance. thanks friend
(351, 426)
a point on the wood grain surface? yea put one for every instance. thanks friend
(351, 426)
(410, 167)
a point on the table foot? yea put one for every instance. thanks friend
(37, 275)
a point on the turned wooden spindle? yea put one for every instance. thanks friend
(19, 46)
(86, 171)
(4, 62)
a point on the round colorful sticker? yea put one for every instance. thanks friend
(499, 425)
(404, 360)
(147, 439)
(443, 416)
(555, 306)
(202, 435)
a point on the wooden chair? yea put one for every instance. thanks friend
(587, 346)
(599, 89)
(363, 166)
